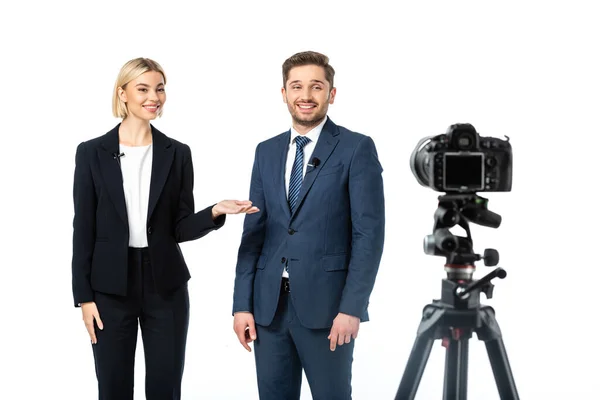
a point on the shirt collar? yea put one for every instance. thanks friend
(313, 134)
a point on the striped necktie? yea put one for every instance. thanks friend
(296, 175)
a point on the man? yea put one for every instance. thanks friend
(307, 263)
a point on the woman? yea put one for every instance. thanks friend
(134, 204)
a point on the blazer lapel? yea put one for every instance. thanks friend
(323, 149)
(282, 151)
(162, 158)
(111, 171)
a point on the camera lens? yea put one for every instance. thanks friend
(420, 161)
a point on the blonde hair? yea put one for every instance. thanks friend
(131, 70)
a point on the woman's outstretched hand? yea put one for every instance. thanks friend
(233, 207)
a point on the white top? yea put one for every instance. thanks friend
(313, 135)
(136, 168)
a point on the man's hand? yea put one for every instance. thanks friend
(345, 328)
(233, 207)
(90, 313)
(243, 326)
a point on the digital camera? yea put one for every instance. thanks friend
(461, 161)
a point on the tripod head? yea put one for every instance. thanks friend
(460, 209)
(458, 313)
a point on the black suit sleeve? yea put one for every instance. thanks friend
(84, 227)
(190, 225)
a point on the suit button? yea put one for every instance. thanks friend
(149, 230)
(291, 231)
(283, 260)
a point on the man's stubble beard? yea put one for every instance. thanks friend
(311, 123)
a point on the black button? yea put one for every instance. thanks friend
(283, 260)
(150, 230)
(291, 231)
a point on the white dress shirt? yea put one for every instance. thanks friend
(313, 135)
(136, 168)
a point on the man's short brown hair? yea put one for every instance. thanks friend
(308, 58)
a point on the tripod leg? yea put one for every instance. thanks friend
(498, 356)
(457, 366)
(502, 372)
(414, 368)
(426, 334)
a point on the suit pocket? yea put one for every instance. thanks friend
(338, 262)
(336, 169)
(101, 239)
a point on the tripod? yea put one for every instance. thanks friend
(459, 313)
(454, 319)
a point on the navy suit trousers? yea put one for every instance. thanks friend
(285, 348)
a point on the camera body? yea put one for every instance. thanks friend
(462, 161)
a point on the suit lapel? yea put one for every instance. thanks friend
(323, 149)
(111, 171)
(282, 151)
(162, 158)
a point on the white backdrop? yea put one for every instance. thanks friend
(404, 71)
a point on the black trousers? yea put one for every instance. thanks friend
(164, 324)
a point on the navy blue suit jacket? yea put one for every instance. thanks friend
(333, 242)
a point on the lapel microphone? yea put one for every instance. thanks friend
(315, 162)
(117, 157)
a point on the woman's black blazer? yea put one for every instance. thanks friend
(100, 225)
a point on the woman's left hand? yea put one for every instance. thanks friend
(233, 207)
